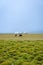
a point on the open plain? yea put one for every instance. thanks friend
(21, 50)
(23, 37)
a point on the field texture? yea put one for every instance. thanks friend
(23, 37)
(21, 52)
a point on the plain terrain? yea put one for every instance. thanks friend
(21, 50)
(23, 37)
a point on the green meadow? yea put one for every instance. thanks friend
(21, 52)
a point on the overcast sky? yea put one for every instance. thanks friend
(21, 16)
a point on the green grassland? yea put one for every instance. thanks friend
(23, 52)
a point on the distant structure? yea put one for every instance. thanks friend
(20, 34)
(16, 32)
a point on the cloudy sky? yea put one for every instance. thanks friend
(21, 16)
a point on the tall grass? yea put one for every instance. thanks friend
(21, 52)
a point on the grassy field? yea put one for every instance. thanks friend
(24, 52)
(23, 37)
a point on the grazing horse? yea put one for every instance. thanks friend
(20, 34)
